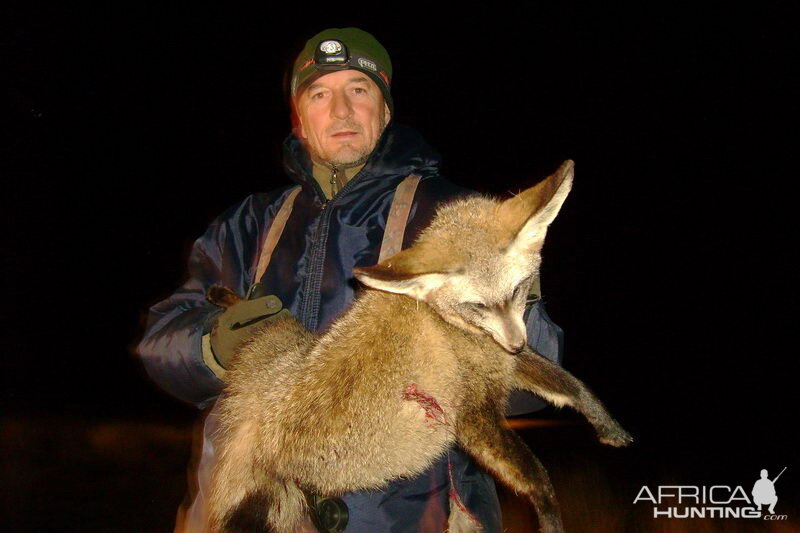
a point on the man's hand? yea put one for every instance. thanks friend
(240, 321)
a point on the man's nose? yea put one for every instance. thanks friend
(340, 106)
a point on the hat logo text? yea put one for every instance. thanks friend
(366, 63)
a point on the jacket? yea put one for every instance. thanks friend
(311, 273)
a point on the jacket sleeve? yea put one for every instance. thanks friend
(172, 345)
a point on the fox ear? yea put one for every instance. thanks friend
(530, 212)
(413, 272)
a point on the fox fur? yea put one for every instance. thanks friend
(423, 360)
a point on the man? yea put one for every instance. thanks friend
(354, 165)
(764, 491)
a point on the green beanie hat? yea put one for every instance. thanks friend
(340, 49)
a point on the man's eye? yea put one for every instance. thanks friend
(316, 96)
(359, 90)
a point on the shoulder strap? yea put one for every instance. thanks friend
(274, 233)
(392, 236)
(398, 217)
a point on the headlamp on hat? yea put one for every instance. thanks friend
(331, 53)
(341, 49)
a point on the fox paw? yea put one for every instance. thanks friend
(222, 296)
(616, 437)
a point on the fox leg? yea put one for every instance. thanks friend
(269, 506)
(244, 497)
(503, 453)
(539, 375)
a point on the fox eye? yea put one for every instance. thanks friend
(478, 305)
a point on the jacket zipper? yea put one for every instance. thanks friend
(334, 181)
(309, 313)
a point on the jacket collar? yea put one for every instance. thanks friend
(401, 150)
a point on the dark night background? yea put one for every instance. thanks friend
(130, 127)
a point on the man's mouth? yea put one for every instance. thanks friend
(345, 134)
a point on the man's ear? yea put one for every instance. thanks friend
(386, 112)
(297, 123)
(301, 130)
(529, 213)
(414, 272)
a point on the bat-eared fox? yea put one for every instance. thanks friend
(423, 360)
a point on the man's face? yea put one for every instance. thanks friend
(341, 117)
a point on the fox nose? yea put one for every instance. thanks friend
(516, 348)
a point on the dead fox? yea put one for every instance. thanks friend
(424, 361)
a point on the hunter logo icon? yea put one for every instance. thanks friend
(764, 491)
